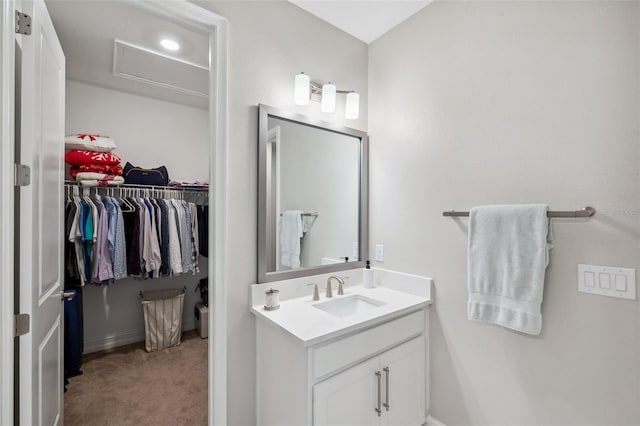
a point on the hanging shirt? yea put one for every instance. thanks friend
(165, 268)
(133, 247)
(175, 255)
(120, 250)
(152, 247)
(102, 271)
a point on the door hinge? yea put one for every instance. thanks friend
(22, 175)
(23, 324)
(23, 23)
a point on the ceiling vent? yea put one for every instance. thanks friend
(144, 65)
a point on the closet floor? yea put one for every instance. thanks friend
(128, 386)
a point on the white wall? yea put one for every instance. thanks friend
(149, 132)
(515, 102)
(320, 172)
(269, 42)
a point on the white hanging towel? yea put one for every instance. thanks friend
(292, 231)
(508, 255)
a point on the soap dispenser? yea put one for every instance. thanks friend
(367, 276)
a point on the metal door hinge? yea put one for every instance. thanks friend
(23, 324)
(23, 23)
(22, 175)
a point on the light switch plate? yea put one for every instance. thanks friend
(607, 281)
(355, 251)
(379, 252)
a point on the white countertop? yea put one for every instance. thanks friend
(299, 318)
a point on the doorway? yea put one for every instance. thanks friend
(185, 14)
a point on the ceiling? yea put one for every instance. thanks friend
(88, 29)
(364, 19)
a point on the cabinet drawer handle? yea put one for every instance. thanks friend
(379, 378)
(386, 385)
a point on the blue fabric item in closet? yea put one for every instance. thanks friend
(86, 217)
(120, 249)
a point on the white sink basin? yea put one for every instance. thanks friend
(348, 305)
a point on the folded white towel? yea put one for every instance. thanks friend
(117, 180)
(508, 254)
(292, 231)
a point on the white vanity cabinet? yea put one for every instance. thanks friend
(345, 379)
(386, 390)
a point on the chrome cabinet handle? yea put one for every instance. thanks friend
(67, 295)
(379, 378)
(386, 372)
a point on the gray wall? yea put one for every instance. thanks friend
(269, 42)
(515, 102)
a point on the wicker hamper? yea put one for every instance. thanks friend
(162, 318)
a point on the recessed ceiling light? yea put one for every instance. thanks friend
(169, 44)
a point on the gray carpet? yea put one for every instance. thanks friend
(128, 386)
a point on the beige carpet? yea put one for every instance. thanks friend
(128, 386)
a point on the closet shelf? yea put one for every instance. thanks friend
(71, 183)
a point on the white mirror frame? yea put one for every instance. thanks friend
(363, 230)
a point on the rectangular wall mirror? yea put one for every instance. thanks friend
(312, 196)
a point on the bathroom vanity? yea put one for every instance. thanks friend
(353, 359)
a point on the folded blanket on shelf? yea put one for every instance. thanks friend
(80, 158)
(117, 180)
(97, 168)
(98, 176)
(87, 142)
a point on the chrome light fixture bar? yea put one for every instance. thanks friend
(304, 89)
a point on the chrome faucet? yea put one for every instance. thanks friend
(340, 282)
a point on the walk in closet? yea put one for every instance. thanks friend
(136, 212)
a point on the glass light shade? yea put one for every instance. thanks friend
(328, 98)
(352, 109)
(302, 89)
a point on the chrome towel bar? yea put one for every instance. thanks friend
(585, 212)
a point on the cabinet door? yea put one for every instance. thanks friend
(349, 398)
(404, 384)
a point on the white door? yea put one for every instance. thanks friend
(349, 398)
(41, 225)
(404, 384)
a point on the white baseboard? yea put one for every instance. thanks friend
(434, 422)
(121, 339)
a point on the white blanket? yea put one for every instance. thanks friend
(508, 254)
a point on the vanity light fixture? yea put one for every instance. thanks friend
(302, 92)
(328, 98)
(170, 45)
(304, 88)
(352, 109)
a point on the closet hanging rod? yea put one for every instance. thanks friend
(314, 214)
(71, 183)
(585, 212)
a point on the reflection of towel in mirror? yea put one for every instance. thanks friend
(292, 231)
